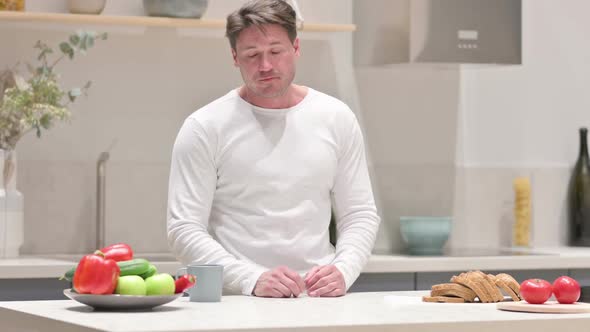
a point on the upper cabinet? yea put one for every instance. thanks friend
(438, 31)
(466, 31)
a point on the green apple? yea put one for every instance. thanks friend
(160, 284)
(130, 285)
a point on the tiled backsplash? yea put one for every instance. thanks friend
(484, 203)
(406, 190)
(136, 205)
(410, 117)
(60, 206)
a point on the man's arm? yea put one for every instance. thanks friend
(193, 179)
(357, 221)
(355, 212)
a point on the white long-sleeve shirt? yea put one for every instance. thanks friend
(252, 189)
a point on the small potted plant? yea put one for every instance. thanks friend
(33, 104)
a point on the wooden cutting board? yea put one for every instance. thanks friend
(547, 307)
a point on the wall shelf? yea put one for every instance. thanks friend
(147, 21)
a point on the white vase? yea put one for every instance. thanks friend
(11, 207)
(86, 6)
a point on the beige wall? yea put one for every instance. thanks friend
(443, 140)
(382, 36)
(523, 121)
(145, 82)
(410, 119)
(410, 114)
(510, 121)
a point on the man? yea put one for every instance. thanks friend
(256, 173)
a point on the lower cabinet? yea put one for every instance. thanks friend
(32, 289)
(52, 288)
(383, 282)
(582, 276)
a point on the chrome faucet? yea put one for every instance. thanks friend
(100, 199)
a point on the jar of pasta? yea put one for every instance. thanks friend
(17, 5)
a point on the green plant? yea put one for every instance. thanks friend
(37, 102)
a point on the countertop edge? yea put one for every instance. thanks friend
(47, 267)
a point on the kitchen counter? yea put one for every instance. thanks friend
(540, 258)
(522, 259)
(378, 311)
(53, 266)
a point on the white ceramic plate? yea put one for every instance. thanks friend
(121, 302)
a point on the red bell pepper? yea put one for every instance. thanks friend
(184, 282)
(96, 275)
(118, 252)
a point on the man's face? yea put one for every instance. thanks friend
(266, 59)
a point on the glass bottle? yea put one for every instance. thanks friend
(579, 196)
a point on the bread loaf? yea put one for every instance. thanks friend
(472, 285)
(442, 299)
(456, 290)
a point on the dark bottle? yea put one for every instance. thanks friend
(579, 197)
(332, 229)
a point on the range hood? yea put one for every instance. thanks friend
(466, 31)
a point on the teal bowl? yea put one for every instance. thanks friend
(425, 235)
(176, 8)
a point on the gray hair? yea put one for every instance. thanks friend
(258, 13)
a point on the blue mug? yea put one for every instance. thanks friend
(209, 285)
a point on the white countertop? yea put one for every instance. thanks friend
(54, 266)
(378, 311)
(540, 258)
(544, 258)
